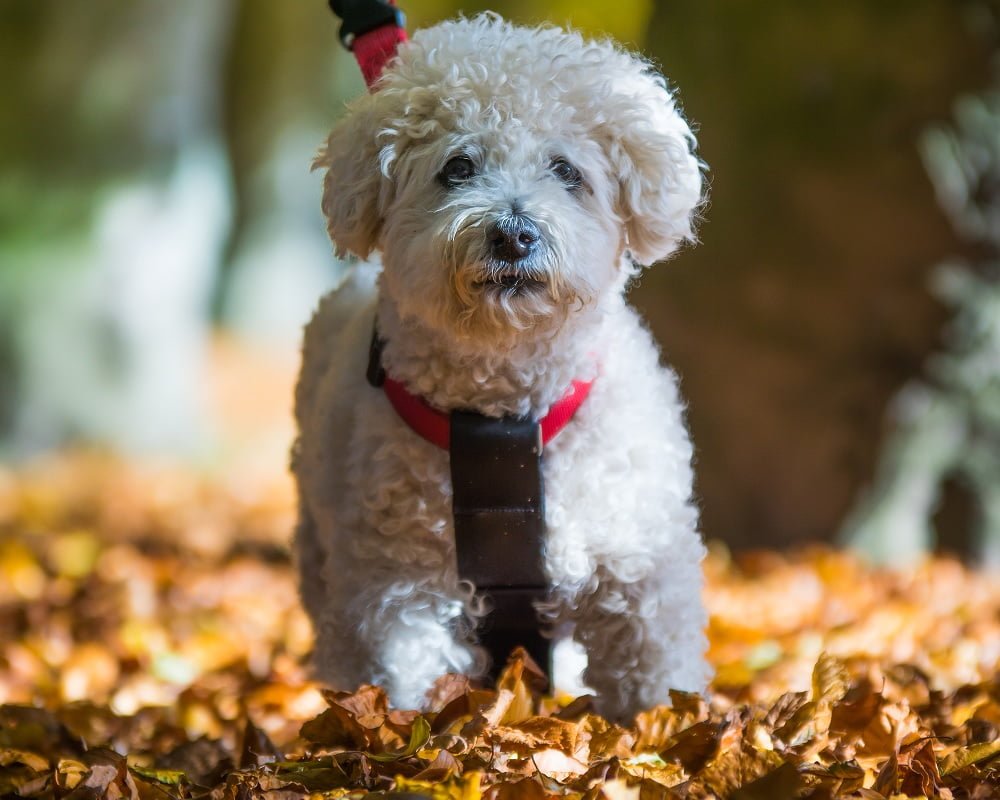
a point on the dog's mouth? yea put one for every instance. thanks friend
(511, 281)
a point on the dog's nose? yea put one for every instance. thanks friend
(513, 238)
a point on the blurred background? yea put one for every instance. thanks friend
(161, 243)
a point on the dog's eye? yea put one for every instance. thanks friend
(566, 172)
(458, 170)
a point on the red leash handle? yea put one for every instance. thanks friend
(372, 30)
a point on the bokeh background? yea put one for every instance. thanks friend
(161, 243)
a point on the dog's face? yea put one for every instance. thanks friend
(509, 176)
(499, 228)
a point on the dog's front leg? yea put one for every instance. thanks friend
(397, 634)
(643, 635)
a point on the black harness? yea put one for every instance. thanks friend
(498, 506)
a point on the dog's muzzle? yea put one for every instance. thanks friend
(513, 238)
(514, 243)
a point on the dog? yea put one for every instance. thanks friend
(513, 180)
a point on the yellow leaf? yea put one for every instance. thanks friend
(465, 787)
(829, 679)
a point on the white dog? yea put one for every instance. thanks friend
(513, 180)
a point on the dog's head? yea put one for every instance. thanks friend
(510, 175)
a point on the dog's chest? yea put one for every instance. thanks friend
(617, 478)
(404, 486)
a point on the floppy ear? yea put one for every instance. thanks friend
(355, 188)
(659, 174)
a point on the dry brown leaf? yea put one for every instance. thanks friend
(732, 770)
(694, 746)
(658, 724)
(524, 789)
(141, 592)
(442, 765)
(887, 781)
(654, 770)
(463, 709)
(534, 734)
(891, 726)
(447, 689)
(918, 770)
(599, 740)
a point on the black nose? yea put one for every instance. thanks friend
(513, 238)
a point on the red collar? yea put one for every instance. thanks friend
(435, 426)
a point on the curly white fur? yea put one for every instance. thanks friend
(375, 539)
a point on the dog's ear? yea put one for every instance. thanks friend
(660, 177)
(355, 187)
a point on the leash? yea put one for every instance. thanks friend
(498, 496)
(372, 30)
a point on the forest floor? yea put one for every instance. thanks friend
(152, 645)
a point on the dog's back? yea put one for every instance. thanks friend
(332, 361)
(324, 342)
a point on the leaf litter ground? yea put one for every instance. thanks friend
(152, 646)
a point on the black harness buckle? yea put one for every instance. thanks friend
(363, 16)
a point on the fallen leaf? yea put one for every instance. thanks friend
(966, 756)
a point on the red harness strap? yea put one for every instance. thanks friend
(435, 426)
